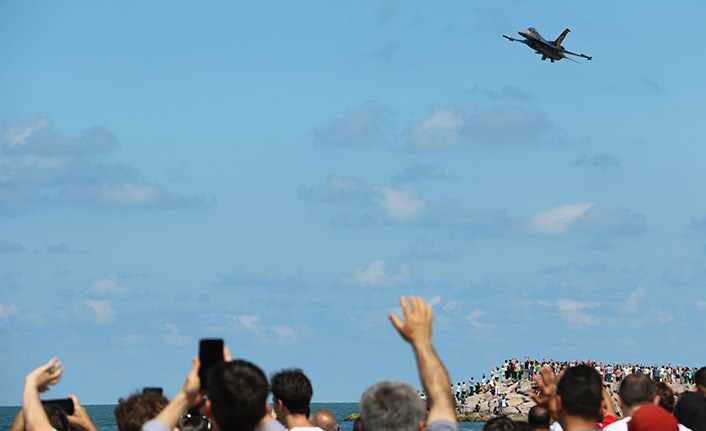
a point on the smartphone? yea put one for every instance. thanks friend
(64, 404)
(157, 392)
(210, 354)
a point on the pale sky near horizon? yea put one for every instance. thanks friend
(277, 174)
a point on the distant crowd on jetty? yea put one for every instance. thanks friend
(516, 370)
(222, 394)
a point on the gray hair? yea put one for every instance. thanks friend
(391, 406)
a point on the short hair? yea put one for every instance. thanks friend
(539, 418)
(293, 388)
(133, 412)
(700, 379)
(581, 391)
(636, 390)
(237, 391)
(391, 406)
(666, 396)
(500, 423)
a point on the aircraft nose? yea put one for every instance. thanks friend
(524, 33)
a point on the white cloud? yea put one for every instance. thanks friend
(448, 128)
(440, 129)
(661, 315)
(6, 311)
(337, 189)
(399, 205)
(701, 304)
(558, 220)
(631, 304)
(473, 318)
(435, 300)
(251, 322)
(110, 285)
(571, 305)
(17, 134)
(174, 338)
(584, 218)
(103, 311)
(131, 195)
(269, 334)
(133, 340)
(570, 311)
(451, 305)
(377, 275)
(368, 125)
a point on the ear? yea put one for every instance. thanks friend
(559, 405)
(656, 400)
(421, 426)
(209, 409)
(267, 409)
(620, 403)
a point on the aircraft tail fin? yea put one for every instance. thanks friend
(561, 37)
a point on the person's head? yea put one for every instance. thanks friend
(666, 396)
(237, 395)
(539, 418)
(194, 422)
(636, 390)
(133, 412)
(581, 392)
(500, 423)
(293, 389)
(700, 380)
(57, 417)
(391, 406)
(324, 419)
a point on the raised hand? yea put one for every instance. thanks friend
(45, 375)
(80, 418)
(418, 316)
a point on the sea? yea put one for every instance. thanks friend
(102, 416)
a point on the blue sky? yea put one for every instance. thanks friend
(277, 174)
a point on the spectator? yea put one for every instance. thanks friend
(291, 395)
(691, 407)
(324, 419)
(394, 406)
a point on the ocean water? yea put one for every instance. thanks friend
(102, 416)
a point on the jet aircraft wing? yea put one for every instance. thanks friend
(563, 51)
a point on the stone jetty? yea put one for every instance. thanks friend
(517, 395)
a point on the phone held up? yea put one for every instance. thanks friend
(210, 354)
(64, 404)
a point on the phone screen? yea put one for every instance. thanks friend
(210, 354)
(64, 404)
(152, 391)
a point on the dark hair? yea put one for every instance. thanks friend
(581, 391)
(700, 379)
(666, 396)
(57, 417)
(539, 418)
(637, 389)
(133, 412)
(500, 423)
(238, 394)
(293, 388)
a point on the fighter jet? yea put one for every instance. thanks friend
(546, 48)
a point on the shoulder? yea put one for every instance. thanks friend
(621, 425)
(442, 425)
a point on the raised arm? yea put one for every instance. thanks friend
(416, 330)
(189, 395)
(37, 381)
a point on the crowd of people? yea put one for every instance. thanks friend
(569, 396)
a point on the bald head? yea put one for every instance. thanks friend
(324, 419)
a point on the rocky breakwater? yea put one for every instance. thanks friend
(517, 395)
